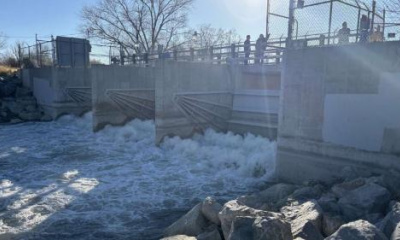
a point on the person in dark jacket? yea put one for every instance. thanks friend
(247, 49)
(364, 29)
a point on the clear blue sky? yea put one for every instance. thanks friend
(22, 19)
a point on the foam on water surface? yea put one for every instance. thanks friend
(61, 181)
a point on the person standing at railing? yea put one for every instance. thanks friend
(377, 36)
(364, 27)
(247, 49)
(344, 34)
(261, 45)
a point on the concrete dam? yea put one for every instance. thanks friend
(329, 108)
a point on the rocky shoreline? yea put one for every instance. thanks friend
(17, 103)
(354, 207)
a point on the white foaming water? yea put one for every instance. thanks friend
(60, 181)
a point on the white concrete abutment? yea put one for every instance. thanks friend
(339, 112)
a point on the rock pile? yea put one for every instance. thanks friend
(358, 208)
(17, 103)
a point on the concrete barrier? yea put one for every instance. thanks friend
(122, 93)
(191, 97)
(339, 108)
(60, 90)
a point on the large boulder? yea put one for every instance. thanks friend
(210, 235)
(7, 88)
(369, 198)
(260, 228)
(328, 203)
(23, 92)
(268, 198)
(271, 228)
(396, 233)
(391, 180)
(358, 230)
(331, 223)
(343, 188)
(233, 209)
(210, 210)
(391, 220)
(305, 219)
(30, 116)
(13, 106)
(241, 228)
(307, 193)
(192, 223)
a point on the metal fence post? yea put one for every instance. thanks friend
(192, 54)
(330, 22)
(384, 23)
(134, 59)
(233, 50)
(290, 23)
(373, 16)
(146, 58)
(175, 53)
(358, 24)
(53, 51)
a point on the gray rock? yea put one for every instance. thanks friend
(192, 223)
(13, 107)
(396, 233)
(391, 220)
(307, 193)
(241, 229)
(271, 228)
(328, 203)
(23, 92)
(30, 116)
(179, 237)
(31, 108)
(212, 235)
(46, 118)
(309, 231)
(268, 198)
(7, 88)
(369, 198)
(343, 188)
(358, 230)
(210, 210)
(15, 121)
(27, 101)
(300, 215)
(233, 209)
(391, 180)
(373, 218)
(331, 224)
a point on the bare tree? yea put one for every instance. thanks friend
(17, 51)
(136, 25)
(3, 41)
(206, 36)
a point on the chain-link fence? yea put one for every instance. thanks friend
(318, 22)
(40, 54)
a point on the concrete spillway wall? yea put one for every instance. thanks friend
(187, 97)
(60, 90)
(339, 108)
(191, 97)
(121, 94)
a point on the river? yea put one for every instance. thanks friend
(58, 180)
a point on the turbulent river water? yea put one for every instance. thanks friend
(59, 180)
